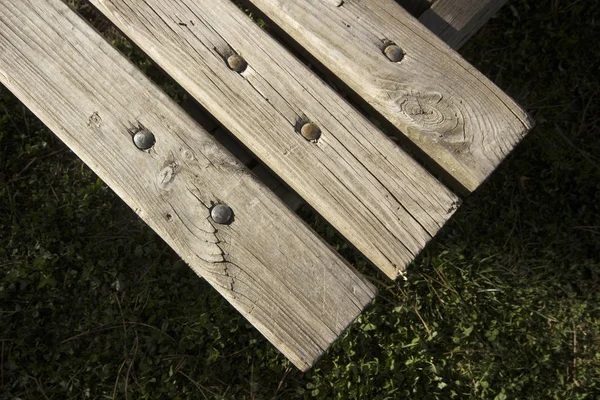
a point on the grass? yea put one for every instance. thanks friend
(504, 305)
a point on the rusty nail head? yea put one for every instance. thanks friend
(144, 139)
(310, 131)
(393, 53)
(221, 214)
(236, 63)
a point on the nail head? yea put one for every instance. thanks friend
(310, 131)
(236, 63)
(144, 139)
(221, 214)
(393, 53)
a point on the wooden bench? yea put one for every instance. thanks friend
(206, 204)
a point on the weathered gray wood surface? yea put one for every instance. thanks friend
(455, 21)
(364, 185)
(281, 276)
(455, 24)
(445, 106)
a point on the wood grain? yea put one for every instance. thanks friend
(446, 107)
(455, 21)
(375, 194)
(268, 264)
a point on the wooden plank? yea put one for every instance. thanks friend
(370, 190)
(284, 279)
(455, 21)
(460, 119)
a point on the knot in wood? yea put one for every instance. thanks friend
(432, 113)
(167, 175)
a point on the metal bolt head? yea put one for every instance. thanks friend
(310, 131)
(394, 53)
(236, 63)
(144, 139)
(221, 214)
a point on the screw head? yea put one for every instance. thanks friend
(221, 214)
(236, 63)
(393, 53)
(310, 131)
(144, 139)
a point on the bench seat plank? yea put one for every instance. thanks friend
(267, 263)
(454, 21)
(452, 112)
(374, 193)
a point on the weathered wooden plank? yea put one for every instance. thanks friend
(455, 21)
(284, 279)
(446, 107)
(365, 186)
